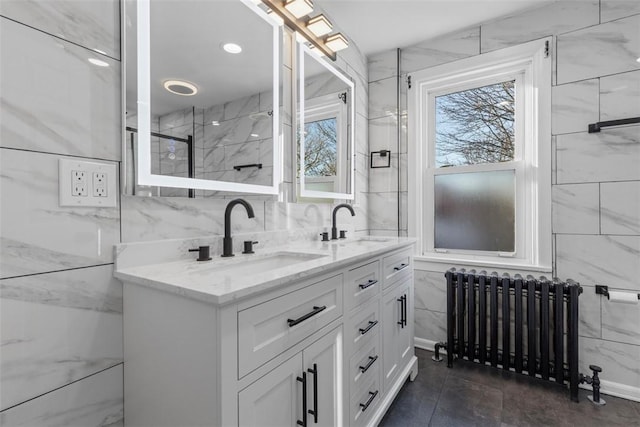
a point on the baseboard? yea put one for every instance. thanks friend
(606, 387)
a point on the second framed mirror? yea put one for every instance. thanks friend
(325, 128)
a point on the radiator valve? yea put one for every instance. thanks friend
(595, 383)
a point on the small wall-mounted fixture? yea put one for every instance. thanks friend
(294, 12)
(595, 127)
(380, 159)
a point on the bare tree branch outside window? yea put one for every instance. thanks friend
(476, 125)
(320, 148)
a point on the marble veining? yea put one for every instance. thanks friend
(431, 325)
(574, 106)
(620, 360)
(620, 96)
(615, 9)
(620, 322)
(383, 65)
(383, 213)
(620, 207)
(383, 98)
(430, 289)
(440, 50)
(576, 208)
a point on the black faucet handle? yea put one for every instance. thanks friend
(203, 253)
(343, 234)
(248, 246)
(325, 236)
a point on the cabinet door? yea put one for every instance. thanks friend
(275, 399)
(396, 335)
(323, 365)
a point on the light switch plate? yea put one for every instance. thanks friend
(83, 183)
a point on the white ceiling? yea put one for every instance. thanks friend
(378, 25)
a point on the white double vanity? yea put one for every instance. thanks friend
(312, 333)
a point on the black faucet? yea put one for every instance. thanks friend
(227, 243)
(334, 230)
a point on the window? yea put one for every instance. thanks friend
(480, 149)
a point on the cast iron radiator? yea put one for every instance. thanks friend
(529, 326)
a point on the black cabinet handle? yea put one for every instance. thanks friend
(401, 301)
(369, 283)
(404, 305)
(366, 367)
(372, 323)
(400, 267)
(303, 380)
(316, 310)
(314, 412)
(372, 395)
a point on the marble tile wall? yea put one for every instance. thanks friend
(60, 308)
(595, 177)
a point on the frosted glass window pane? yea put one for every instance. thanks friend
(475, 211)
(476, 125)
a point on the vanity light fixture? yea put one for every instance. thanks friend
(299, 8)
(232, 48)
(179, 87)
(319, 25)
(336, 42)
(98, 62)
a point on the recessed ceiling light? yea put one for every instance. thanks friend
(232, 48)
(98, 62)
(179, 87)
(638, 60)
(215, 123)
(255, 135)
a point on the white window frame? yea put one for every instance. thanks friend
(530, 65)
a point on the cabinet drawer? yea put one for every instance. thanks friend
(363, 325)
(267, 329)
(364, 403)
(364, 365)
(362, 283)
(396, 266)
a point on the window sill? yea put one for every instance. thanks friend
(435, 263)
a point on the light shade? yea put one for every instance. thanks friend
(336, 42)
(180, 87)
(319, 25)
(299, 8)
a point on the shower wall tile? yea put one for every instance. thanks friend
(620, 321)
(557, 18)
(440, 50)
(383, 65)
(362, 134)
(384, 179)
(599, 50)
(36, 234)
(53, 99)
(383, 98)
(430, 289)
(615, 9)
(620, 207)
(574, 106)
(576, 208)
(362, 98)
(383, 134)
(85, 303)
(602, 260)
(611, 155)
(430, 325)
(94, 401)
(153, 218)
(94, 25)
(620, 96)
(618, 360)
(383, 211)
(590, 316)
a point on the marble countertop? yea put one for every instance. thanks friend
(225, 280)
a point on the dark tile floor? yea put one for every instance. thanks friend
(473, 395)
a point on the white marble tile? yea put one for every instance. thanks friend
(241, 154)
(599, 50)
(620, 321)
(361, 134)
(556, 18)
(361, 93)
(403, 172)
(180, 119)
(383, 133)
(53, 99)
(574, 106)
(620, 96)
(94, 401)
(94, 24)
(361, 206)
(589, 313)
(610, 155)
(430, 325)
(602, 260)
(383, 65)
(288, 216)
(242, 107)
(576, 208)
(554, 162)
(440, 50)
(620, 207)
(384, 179)
(362, 173)
(57, 328)
(430, 290)
(404, 219)
(37, 235)
(618, 361)
(383, 211)
(383, 98)
(616, 9)
(153, 218)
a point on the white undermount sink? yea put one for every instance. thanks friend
(253, 264)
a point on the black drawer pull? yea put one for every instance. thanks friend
(403, 265)
(372, 323)
(316, 310)
(372, 395)
(369, 283)
(365, 368)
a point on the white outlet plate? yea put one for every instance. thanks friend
(97, 179)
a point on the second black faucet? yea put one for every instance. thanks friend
(227, 242)
(334, 230)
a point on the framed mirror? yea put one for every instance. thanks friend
(325, 128)
(202, 97)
